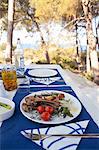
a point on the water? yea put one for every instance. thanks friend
(57, 35)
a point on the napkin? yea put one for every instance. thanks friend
(46, 80)
(2, 90)
(0, 124)
(60, 143)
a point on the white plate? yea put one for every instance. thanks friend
(6, 113)
(75, 108)
(42, 72)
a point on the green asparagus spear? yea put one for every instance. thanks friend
(5, 105)
(66, 112)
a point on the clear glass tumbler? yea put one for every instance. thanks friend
(9, 76)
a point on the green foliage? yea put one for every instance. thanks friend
(45, 10)
(63, 57)
(2, 46)
(89, 75)
(3, 8)
(98, 54)
(3, 3)
(55, 9)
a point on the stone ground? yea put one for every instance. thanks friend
(87, 91)
(81, 81)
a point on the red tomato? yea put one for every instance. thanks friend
(40, 109)
(49, 109)
(45, 116)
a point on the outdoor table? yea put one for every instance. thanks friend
(10, 137)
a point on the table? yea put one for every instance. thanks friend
(10, 130)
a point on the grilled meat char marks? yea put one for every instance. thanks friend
(32, 102)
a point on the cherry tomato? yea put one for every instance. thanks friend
(45, 116)
(49, 109)
(40, 109)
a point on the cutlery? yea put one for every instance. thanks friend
(58, 85)
(43, 136)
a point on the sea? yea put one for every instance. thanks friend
(53, 33)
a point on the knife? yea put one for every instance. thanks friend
(57, 85)
(43, 136)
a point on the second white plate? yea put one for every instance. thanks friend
(42, 72)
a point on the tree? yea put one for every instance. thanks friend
(11, 5)
(3, 14)
(48, 10)
(70, 9)
(86, 15)
(43, 12)
(87, 8)
(25, 14)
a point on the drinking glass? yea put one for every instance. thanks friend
(9, 77)
(24, 85)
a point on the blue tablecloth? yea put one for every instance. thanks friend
(11, 139)
(54, 83)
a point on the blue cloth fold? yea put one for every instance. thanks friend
(10, 130)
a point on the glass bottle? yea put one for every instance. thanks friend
(19, 56)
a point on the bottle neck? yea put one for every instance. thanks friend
(19, 49)
(19, 46)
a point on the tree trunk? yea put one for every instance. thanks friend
(32, 16)
(77, 50)
(88, 67)
(91, 39)
(43, 43)
(88, 63)
(97, 40)
(11, 5)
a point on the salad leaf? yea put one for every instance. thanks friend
(66, 112)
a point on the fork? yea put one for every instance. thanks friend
(44, 136)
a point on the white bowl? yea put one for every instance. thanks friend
(8, 113)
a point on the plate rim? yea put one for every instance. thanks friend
(50, 122)
(54, 72)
